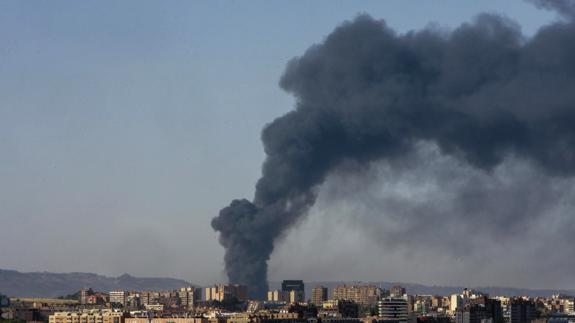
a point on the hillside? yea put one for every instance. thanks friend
(45, 284)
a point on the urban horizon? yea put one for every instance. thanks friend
(275, 283)
(227, 303)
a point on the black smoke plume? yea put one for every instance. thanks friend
(481, 93)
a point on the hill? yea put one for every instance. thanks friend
(44, 284)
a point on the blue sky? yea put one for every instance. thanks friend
(126, 125)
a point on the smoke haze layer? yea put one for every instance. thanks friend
(430, 218)
(481, 94)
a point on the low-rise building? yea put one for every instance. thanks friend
(339, 309)
(92, 316)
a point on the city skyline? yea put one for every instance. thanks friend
(186, 305)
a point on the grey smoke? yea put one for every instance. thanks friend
(482, 94)
(429, 217)
(563, 7)
(430, 199)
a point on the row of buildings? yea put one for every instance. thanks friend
(109, 316)
(391, 309)
(294, 291)
(341, 304)
(184, 298)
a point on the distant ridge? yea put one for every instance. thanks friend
(44, 284)
(421, 289)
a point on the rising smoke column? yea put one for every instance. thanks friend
(480, 93)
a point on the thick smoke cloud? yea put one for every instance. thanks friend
(482, 94)
(431, 218)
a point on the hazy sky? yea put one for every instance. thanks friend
(125, 126)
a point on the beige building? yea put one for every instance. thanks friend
(223, 292)
(318, 295)
(275, 296)
(189, 296)
(570, 306)
(361, 294)
(436, 301)
(291, 296)
(118, 297)
(93, 316)
(455, 302)
(149, 297)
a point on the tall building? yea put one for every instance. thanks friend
(189, 296)
(422, 304)
(361, 294)
(223, 292)
(570, 306)
(470, 314)
(455, 302)
(393, 309)
(298, 288)
(118, 297)
(318, 295)
(494, 310)
(4, 301)
(521, 311)
(84, 296)
(147, 298)
(293, 296)
(436, 301)
(275, 296)
(210, 293)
